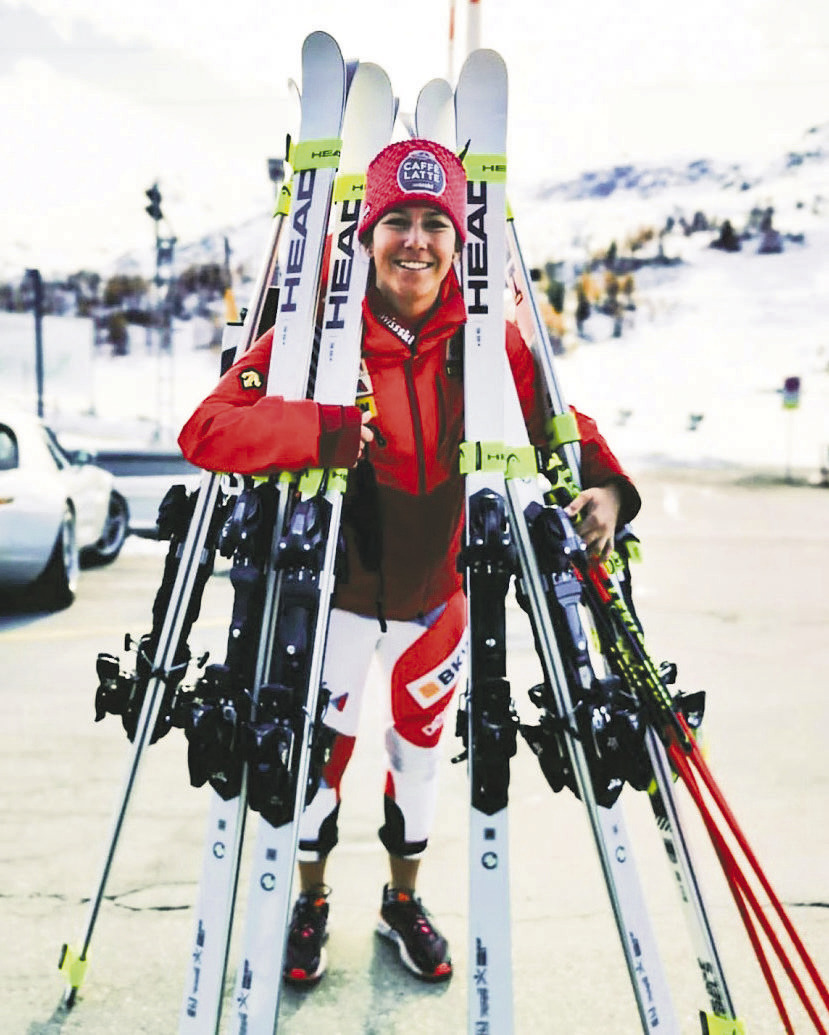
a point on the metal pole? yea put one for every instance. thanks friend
(451, 53)
(38, 310)
(473, 26)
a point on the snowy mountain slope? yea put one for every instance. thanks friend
(696, 378)
(808, 157)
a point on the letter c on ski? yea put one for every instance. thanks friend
(267, 882)
(219, 850)
(489, 860)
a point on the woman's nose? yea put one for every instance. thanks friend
(416, 234)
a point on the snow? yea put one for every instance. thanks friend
(716, 338)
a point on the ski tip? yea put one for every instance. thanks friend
(324, 82)
(436, 91)
(369, 117)
(320, 40)
(483, 59)
(435, 113)
(373, 76)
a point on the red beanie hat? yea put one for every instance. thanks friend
(415, 172)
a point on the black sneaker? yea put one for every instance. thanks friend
(305, 957)
(422, 948)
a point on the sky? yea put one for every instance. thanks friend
(100, 101)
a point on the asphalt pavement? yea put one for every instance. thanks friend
(731, 588)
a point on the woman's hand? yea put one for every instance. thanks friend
(366, 434)
(597, 512)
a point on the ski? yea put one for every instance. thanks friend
(661, 796)
(671, 720)
(434, 119)
(144, 699)
(211, 717)
(487, 553)
(232, 691)
(571, 721)
(289, 698)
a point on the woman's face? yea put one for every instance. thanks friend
(413, 248)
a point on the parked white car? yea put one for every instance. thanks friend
(57, 511)
(143, 477)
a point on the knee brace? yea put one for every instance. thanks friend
(410, 796)
(318, 833)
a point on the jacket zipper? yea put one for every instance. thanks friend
(441, 410)
(417, 426)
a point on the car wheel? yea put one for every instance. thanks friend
(56, 587)
(113, 537)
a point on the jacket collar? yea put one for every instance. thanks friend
(384, 334)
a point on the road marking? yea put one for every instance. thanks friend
(34, 636)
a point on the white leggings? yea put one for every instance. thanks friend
(422, 663)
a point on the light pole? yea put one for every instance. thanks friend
(37, 283)
(164, 256)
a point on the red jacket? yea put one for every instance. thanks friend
(403, 510)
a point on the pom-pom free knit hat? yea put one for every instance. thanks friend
(414, 172)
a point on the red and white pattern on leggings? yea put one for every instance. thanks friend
(422, 663)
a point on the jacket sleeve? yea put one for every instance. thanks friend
(599, 465)
(240, 428)
(528, 384)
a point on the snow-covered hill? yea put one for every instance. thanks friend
(808, 157)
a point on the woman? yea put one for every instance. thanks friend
(402, 600)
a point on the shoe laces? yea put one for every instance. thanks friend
(413, 911)
(310, 915)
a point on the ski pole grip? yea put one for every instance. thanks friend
(283, 202)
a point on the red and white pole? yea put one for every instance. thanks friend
(473, 26)
(451, 54)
